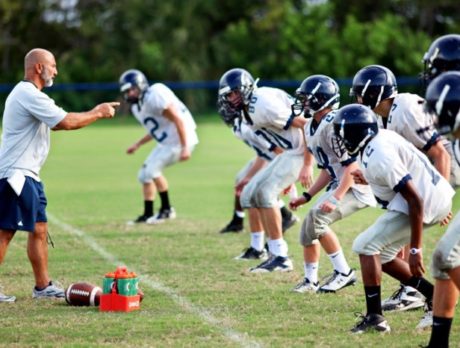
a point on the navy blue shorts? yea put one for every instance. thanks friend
(21, 213)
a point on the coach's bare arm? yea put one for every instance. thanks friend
(76, 120)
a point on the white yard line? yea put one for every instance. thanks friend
(240, 338)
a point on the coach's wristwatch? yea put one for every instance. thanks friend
(414, 251)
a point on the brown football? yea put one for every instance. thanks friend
(83, 294)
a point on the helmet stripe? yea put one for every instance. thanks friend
(442, 97)
(365, 87)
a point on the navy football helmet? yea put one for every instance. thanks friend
(443, 55)
(356, 125)
(236, 80)
(133, 78)
(443, 100)
(316, 93)
(373, 84)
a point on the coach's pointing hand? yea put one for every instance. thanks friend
(106, 110)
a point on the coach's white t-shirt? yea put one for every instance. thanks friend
(149, 113)
(29, 114)
(389, 161)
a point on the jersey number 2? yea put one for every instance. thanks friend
(155, 127)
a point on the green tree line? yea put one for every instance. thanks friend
(198, 40)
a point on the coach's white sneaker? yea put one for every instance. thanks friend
(51, 291)
(162, 216)
(6, 298)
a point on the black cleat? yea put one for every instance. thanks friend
(162, 216)
(253, 254)
(139, 220)
(370, 322)
(288, 221)
(233, 227)
(274, 264)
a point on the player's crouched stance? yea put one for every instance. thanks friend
(414, 194)
(317, 98)
(167, 120)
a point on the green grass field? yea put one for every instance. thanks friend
(196, 295)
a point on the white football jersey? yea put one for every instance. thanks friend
(260, 145)
(330, 154)
(408, 118)
(149, 113)
(271, 117)
(29, 114)
(389, 161)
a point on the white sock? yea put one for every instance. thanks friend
(257, 240)
(339, 262)
(311, 271)
(240, 214)
(278, 247)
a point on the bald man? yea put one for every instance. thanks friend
(27, 119)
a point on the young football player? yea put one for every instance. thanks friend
(414, 195)
(264, 154)
(167, 120)
(317, 99)
(268, 112)
(375, 86)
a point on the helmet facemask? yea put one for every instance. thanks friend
(129, 97)
(227, 112)
(371, 96)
